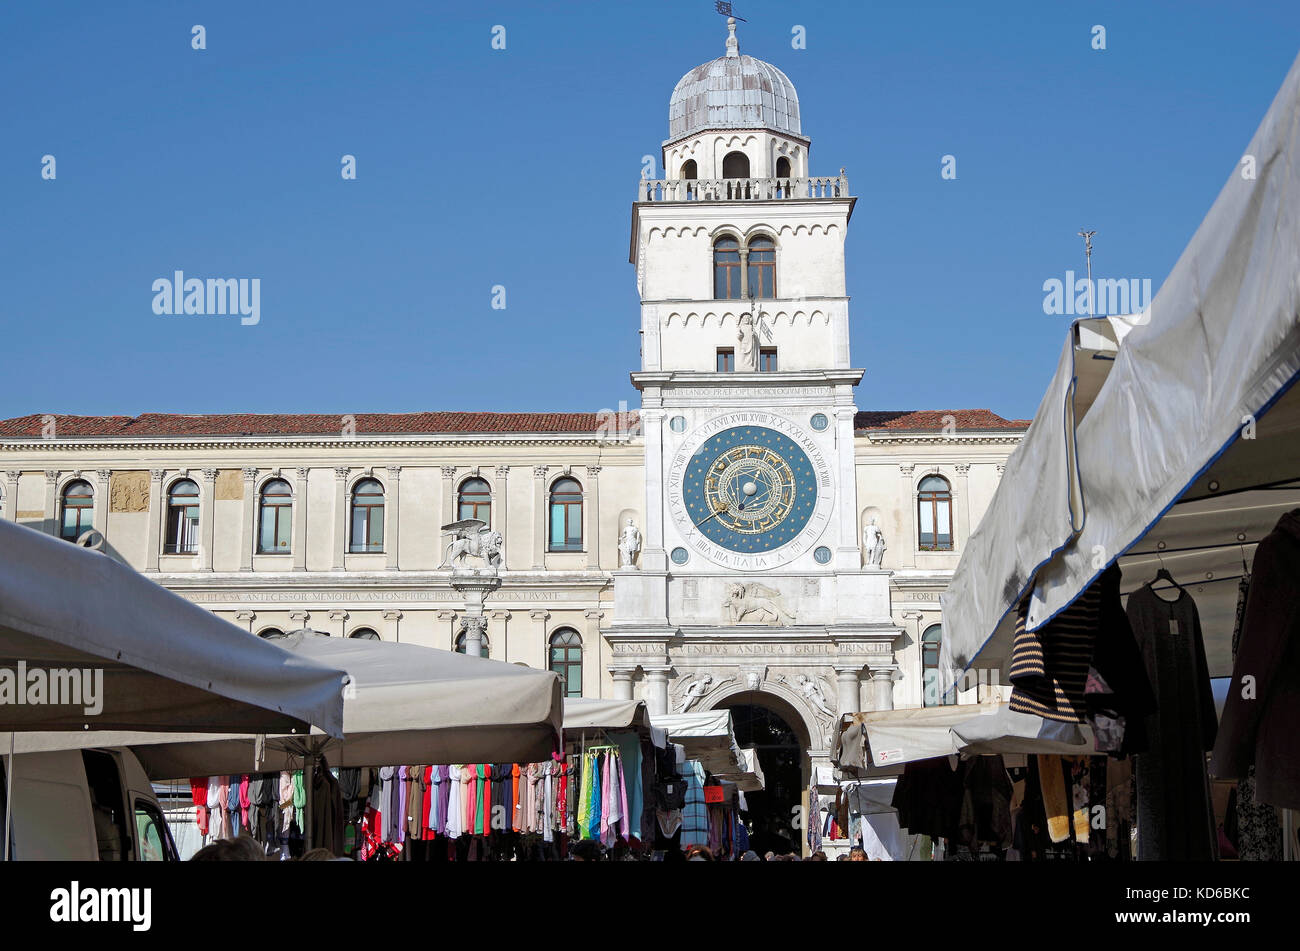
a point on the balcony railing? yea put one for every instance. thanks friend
(740, 189)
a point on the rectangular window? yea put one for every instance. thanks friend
(367, 528)
(726, 360)
(767, 360)
(566, 526)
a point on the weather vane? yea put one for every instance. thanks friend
(1087, 253)
(724, 7)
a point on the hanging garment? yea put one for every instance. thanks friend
(985, 804)
(1049, 667)
(286, 801)
(695, 816)
(1175, 818)
(517, 813)
(244, 801)
(1118, 695)
(1262, 709)
(326, 810)
(387, 800)
(1080, 775)
(299, 798)
(414, 802)
(1119, 808)
(1056, 803)
(625, 820)
(548, 802)
(454, 817)
(928, 797)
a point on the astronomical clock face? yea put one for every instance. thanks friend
(750, 491)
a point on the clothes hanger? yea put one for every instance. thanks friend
(1164, 574)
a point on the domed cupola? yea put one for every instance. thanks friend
(733, 92)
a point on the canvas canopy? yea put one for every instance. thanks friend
(405, 704)
(166, 664)
(707, 736)
(583, 713)
(1175, 443)
(895, 737)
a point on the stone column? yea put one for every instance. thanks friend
(883, 694)
(340, 618)
(592, 502)
(848, 556)
(448, 618)
(657, 689)
(154, 541)
(300, 618)
(906, 551)
(540, 517)
(501, 624)
(392, 515)
(248, 539)
(501, 512)
(474, 588)
(848, 681)
(246, 617)
(653, 555)
(394, 618)
(51, 522)
(541, 616)
(961, 517)
(102, 477)
(11, 495)
(448, 494)
(622, 682)
(300, 521)
(341, 502)
(592, 651)
(207, 518)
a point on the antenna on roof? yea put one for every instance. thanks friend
(1087, 253)
(724, 7)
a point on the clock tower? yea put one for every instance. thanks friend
(751, 579)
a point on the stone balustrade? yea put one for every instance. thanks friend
(741, 189)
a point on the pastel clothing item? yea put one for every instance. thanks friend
(299, 798)
(454, 817)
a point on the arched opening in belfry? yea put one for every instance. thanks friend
(735, 165)
(770, 725)
(689, 170)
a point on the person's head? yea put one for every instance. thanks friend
(842, 857)
(588, 850)
(244, 848)
(818, 856)
(769, 857)
(699, 853)
(857, 855)
(750, 856)
(318, 855)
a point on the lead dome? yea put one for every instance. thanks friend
(733, 92)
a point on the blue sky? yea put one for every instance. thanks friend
(478, 167)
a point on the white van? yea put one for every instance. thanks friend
(84, 805)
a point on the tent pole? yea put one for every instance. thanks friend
(9, 793)
(308, 771)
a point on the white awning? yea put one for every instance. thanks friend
(592, 713)
(708, 737)
(406, 704)
(1174, 445)
(167, 664)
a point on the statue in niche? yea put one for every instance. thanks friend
(747, 352)
(873, 544)
(629, 543)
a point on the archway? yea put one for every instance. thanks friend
(770, 725)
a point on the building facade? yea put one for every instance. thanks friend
(749, 538)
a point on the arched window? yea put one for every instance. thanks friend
(365, 634)
(931, 685)
(934, 514)
(182, 518)
(762, 267)
(276, 530)
(783, 167)
(475, 500)
(689, 170)
(368, 516)
(566, 515)
(726, 269)
(78, 509)
(271, 632)
(566, 660)
(735, 165)
(460, 643)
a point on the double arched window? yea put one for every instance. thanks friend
(931, 686)
(744, 272)
(182, 518)
(367, 516)
(78, 509)
(565, 527)
(934, 514)
(565, 658)
(275, 531)
(475, 500)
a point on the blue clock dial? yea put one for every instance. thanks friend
(749, 489)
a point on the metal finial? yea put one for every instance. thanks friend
(1087, 253)
(733, 45)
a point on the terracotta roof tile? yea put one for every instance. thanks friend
(255, 424)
